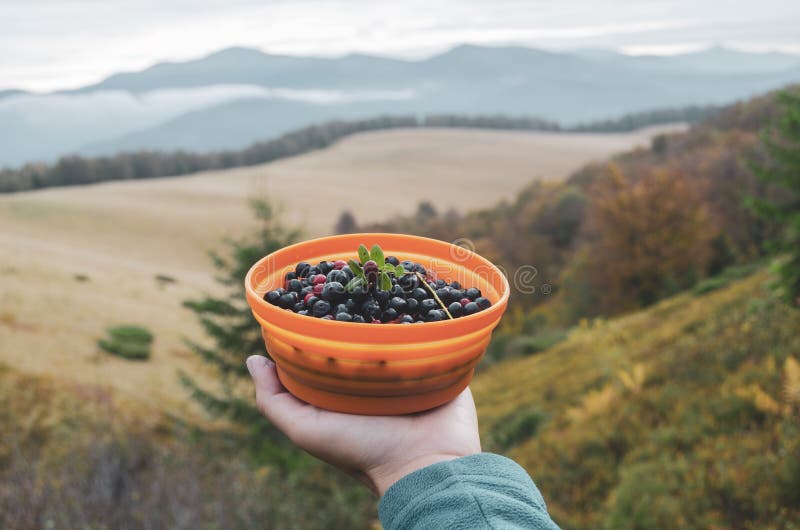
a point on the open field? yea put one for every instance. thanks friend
(120, 235)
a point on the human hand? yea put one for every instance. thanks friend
(377, 450)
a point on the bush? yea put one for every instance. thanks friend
(724, 278)
(129, 342)
(517, 428)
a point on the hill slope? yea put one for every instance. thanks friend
(673, 417)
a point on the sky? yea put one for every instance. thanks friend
(48, 45)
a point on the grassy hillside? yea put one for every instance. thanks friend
(684, 415)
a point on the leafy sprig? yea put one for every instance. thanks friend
(382, 270)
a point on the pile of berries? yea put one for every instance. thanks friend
(332, 290)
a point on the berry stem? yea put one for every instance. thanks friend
(425, 283)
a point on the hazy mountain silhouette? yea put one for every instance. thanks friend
(270, 94)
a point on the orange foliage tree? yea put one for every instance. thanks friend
(648, 237)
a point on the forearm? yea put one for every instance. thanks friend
(478, 491)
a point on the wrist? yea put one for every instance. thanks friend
(385, 475)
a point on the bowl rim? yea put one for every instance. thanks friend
(496, 310)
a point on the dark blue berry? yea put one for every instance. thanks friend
(344, 317)
(406, 319)
(382, 297)
(427, 305)
(435, 315)
(398, 304)
(440, 284)
(393, 260)
(471, 308)
(301, 269)
(371, 309)
(444, 295)
(340, 308)
(389, 315)
(408, 265)
(299, 306)
(321, 308)
(325, 267)
(456, 294)
(408, 282)
(456, 310)
(294, 286)
(272, 297)
(412, 306)
(358, 318)
(304, 312)
(483, 303)
(455, 285)
(346, 270)
(333, 292)
(419, 293)
(396, 290)
(472, 293)
(311, 301)
(419, 268)
(288, 300)
(336, 276)
(290, 276)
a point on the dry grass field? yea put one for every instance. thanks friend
(74, 261)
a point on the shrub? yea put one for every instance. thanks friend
(517, 428)
(129, 342)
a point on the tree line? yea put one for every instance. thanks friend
(73, 170)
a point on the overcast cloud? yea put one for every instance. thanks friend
(53, 44)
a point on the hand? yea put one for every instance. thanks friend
(377, 450)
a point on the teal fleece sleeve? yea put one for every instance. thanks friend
(473, 492)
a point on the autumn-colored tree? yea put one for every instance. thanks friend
(649, 236)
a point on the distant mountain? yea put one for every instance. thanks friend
(11, 92)
(235, 96)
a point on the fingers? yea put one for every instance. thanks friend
(280, 407)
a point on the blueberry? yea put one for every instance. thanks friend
(455, 309)
(359, 294)
(333, 292)
(419, 268)
(301, 270)
(287, 300)
(408, 265)
(398, 304)
(358, 318)
(350, 305)
(306, 290)
(382, 297)
(440, 284)
(311, 301)
(304, 312)
(471, 308)
(396, 290)
(406, 319)
(408, 282)
(393, 260)
(412, 306)
(290, 276)
(336, 276)
(435, 315)
(455, 285)
(370, 309)
(299, 306)
(483, 303)
(312, 271)
(272, 297)
(340, 308)
(456, 294)
(325, 267)
(346, 270)
(419, 293)
(427, 305)
(444, 294)
(344, 317)
(321, 308)
(327, 317)
(389, 315)
(294, 286)
(472, 293)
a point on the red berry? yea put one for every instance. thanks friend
(464, 301)
(318, 279)
(318, 289)
(306, 297)
(337, 265)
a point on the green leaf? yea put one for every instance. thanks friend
(358, 281)
(356, 268)
(399, 271)
(385, 282)
(363, 254)
(377, 256)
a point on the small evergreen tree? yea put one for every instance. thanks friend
(781, 141)
(235, 335)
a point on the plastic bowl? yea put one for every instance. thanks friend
(377, 369)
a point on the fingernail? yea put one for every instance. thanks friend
(251, 363)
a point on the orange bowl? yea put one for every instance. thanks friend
(377, 369)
